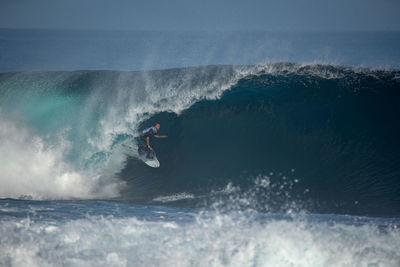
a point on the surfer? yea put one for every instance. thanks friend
(145, 138)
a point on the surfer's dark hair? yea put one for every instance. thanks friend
(157, 123)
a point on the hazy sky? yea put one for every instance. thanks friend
(203, 15)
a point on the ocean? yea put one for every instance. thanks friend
(283, 148)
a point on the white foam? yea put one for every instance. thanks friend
(232, 239)
(174, 197)
(30, 169)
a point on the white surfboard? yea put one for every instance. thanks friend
(152, 161)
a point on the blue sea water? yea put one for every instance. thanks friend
(283, 149)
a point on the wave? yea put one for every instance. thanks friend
(332, 129)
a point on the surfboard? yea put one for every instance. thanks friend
(152, 161)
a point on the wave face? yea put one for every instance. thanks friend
(318, 137)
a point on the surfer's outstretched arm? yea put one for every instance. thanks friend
(160, 136)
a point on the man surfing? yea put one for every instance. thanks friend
(144, 145)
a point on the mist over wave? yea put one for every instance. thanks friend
(318, 133)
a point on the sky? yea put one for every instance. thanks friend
(203, 15)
